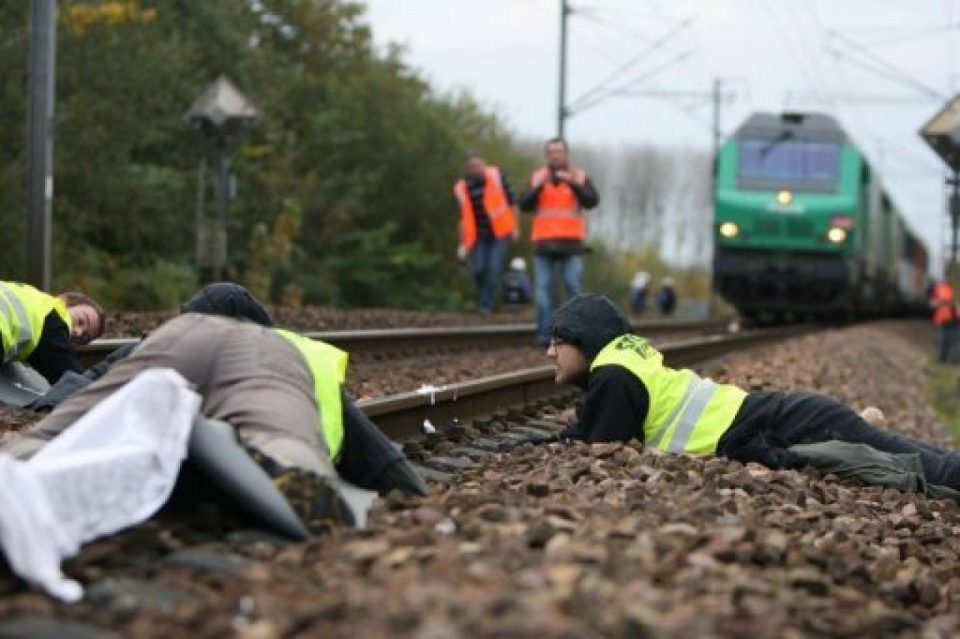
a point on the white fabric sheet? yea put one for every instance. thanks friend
(113, 468)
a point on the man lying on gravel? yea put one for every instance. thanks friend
(631, 394)
(280, 391)
(369, 459)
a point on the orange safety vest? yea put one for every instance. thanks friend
(942, 300)
(559, 214)
(503, 220)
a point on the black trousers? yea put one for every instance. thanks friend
(769, 423)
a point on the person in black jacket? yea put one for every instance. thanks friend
(763, 427)
(42, 330)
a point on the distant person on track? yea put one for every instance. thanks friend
(667, 297)
(516, 284)
(639, 288)
(944, 304)
(559, 194)
(631, 395)
(42, 330)
(368, 458)
(488, 224)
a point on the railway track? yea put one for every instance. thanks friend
(671, 528)
(403, 342)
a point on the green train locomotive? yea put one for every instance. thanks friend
(803, 226)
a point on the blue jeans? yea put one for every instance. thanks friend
(486, 264)
(946, 342)
(544, 268)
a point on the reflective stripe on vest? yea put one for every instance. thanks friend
(20, 333)
(559, 215)
(328, 367)
(686, 413)
(503, 220)
(23, 311)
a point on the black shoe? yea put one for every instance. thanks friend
(401, 476)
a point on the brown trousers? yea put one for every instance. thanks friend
(247, 375)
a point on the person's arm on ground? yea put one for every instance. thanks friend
(67, 385)
(370, 460)
(614, 407)
(54, 354)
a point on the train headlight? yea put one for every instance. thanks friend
(784, 198)
(729, 229)
(837, 235)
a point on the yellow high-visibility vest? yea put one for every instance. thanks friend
(328, 366)
(23, 310)
(687, 414)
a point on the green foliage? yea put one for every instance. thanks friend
(610, 273)
(941, 386)
(344, 185)
(116, 283)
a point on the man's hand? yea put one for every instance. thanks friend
(462, 252)
(537, 180)
(564, 176)
(538, 440)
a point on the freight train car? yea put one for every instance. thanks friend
(804, 227)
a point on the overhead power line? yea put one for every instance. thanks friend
(626, 66)
(580, 105)
(876, 64)
(794, 98)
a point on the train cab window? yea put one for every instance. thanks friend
(801, 165)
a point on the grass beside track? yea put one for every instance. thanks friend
(943, 388)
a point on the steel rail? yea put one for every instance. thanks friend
(401, 416)
(396, 342)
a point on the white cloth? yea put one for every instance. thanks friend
(113, 468)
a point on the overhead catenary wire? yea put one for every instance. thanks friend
(582, 105)
(626, 66)
(878, 65)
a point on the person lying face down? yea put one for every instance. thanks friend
(365, 456)
(630, 395)
(42, 330)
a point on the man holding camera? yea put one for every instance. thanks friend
(558, 195)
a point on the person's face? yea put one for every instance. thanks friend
(476, 167)
(570, 365)
(557, 156)
(85, 324)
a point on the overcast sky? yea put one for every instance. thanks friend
(771, 54)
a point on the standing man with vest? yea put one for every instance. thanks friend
(943, 303)
(559, 193)
(280, 391)
(42, 330)
(488, 223)
(630, 395)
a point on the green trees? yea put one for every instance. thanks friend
(344, 186)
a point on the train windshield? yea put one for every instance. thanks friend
(780, 163)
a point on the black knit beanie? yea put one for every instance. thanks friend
(589, 321)
(230, 300)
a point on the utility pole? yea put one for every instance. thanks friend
(717, 99)
(954, 211)
(562, 113)
(40, 79)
